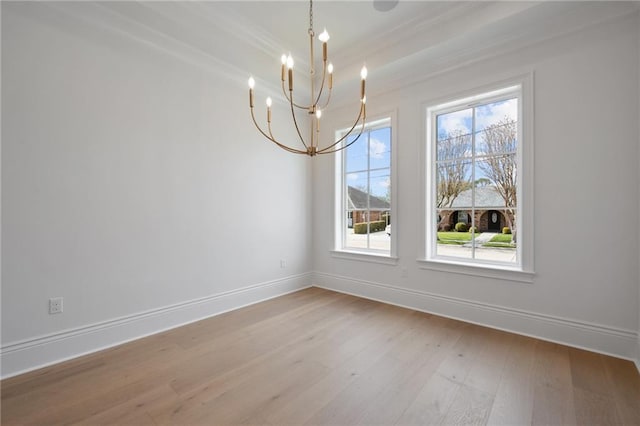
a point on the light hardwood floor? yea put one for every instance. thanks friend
(319, 357)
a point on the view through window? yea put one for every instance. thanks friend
(475, 207)
(366, 190)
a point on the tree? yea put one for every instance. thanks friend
(452, 167)
(482, 182)
(499, 165)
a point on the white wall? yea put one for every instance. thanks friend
(638, 346)
(134, 186)
(585, 291)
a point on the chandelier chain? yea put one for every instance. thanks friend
(311, 16)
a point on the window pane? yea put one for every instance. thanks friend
(454, 244)
(380, 148)
(494, 113)
(380, 187)
(453, 178)
(498, 172)
(454, 135)
(357, 192)
(356, 155)
(497, 128)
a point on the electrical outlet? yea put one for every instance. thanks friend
(55, 305)
(283, 264)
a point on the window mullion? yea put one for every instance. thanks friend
(369, 190)
(473, 179)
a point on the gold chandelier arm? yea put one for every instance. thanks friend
(324, 76)
(361, 115)
(288, 98)
(295, 121)
(328, 99)
(271, 138)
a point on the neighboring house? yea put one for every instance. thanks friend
(362, 210)
(490, 212)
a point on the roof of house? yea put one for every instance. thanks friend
(357, 200)
(486, 197)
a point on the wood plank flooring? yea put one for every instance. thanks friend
(319, 357)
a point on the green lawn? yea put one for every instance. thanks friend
(458, 238)
(500, 240)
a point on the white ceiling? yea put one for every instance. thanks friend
(413, 40)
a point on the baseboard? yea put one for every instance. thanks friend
(612, 341)
(21, 357)
(637, 360)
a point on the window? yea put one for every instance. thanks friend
(475, 181)
(364, 191)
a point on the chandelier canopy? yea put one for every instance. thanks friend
(317, 102)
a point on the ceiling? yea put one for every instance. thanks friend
(413, 40)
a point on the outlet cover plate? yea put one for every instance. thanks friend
(55, 305)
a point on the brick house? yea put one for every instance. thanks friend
(357, 207)
(490, 214)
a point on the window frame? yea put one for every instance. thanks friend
(521, 88)
(365, 254)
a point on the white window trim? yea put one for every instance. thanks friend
(524, 272)
(367, 255)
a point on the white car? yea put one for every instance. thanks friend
(388, 230)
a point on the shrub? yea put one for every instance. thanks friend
(473, 229)
(506, 230)
(361, 228)
(461, 227)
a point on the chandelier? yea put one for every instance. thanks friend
(317, 102)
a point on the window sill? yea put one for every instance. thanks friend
(487, 271)
(383, 259)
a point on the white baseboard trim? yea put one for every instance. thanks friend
(606, 340)
(23, 356)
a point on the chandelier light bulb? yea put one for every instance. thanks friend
(318, 114)
(330, 68)
(363, 73)
(283, 58)
(324, 36)
(364, 100)
(252, 83)
(289, 62)
(269, 102)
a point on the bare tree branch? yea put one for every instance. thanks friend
(452, 167)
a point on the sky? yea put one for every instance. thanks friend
(486, 115)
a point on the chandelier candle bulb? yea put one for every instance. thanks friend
(363, 74)
(290, 66)
(324, 36)
(252, 83)
(269, 102)
(330, 71)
